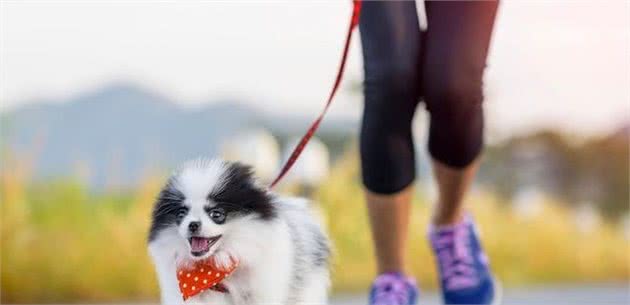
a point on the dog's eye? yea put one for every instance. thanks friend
(217, 215)
(181, 213)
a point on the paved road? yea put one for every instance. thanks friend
(600, 294)
(604, 294)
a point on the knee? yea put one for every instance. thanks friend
(396, 77)
(391, 96)
(453, 94)
(456, 114)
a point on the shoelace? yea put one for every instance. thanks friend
(390, 289)
(456, 259)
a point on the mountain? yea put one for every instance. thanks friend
(120, 132)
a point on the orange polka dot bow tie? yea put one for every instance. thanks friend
(201, 276)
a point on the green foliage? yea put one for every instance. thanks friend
(593, 170)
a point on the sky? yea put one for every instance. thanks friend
(560, 64)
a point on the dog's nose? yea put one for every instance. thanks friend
(193, 226)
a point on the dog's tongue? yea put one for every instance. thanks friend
(199, 244)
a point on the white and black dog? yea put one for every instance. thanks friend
(213, 208)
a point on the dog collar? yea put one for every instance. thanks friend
(201, 276)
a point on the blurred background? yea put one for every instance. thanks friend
(100, 100)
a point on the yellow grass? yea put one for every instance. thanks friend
(540, 249)
(61, 243)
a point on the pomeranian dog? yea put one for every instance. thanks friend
(216, 210)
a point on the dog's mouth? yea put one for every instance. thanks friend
(201, 245)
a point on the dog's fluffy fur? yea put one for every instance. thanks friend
(282, 250)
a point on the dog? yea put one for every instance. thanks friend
(214, 209)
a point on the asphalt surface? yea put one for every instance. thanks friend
(591, 294)
(600, 294)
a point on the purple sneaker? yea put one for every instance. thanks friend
(393, 289)
(465, 276)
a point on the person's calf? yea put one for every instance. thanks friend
(452, 183)
(389, 221)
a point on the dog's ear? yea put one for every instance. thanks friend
(239, 171)
(241, 187)
(166, 208)
(249, 173)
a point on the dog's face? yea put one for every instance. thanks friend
(205, 200)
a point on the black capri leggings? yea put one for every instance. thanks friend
(442, 66)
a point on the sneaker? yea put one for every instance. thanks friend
(393, 289)
(465, 276)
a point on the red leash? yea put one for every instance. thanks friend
(313, 128)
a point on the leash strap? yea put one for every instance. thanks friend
(356, 10)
